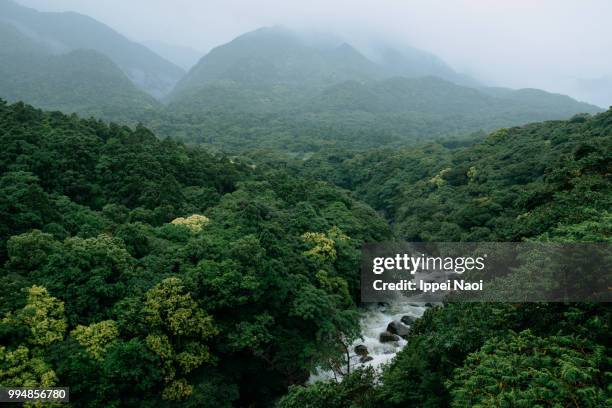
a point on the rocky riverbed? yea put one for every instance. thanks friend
(383, 330)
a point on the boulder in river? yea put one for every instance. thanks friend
(386, 337)
(398, 327)
(408, 320)
(361, 350)
(365, 359)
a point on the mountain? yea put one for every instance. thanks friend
(82, 81)
(223, 103)
(274, 70)
(437, 96)
(68, 31)
(272, 64)
(184, 57)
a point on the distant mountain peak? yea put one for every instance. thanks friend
(67, 31)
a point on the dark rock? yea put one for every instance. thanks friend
(399, 328)
(408, 320)
(361, 350)
(386, 337)
(365, 359)
(429, 304)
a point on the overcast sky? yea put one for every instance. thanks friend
(549, 44)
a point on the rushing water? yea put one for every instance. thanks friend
(374, 321)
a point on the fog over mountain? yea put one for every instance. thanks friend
(520, 49)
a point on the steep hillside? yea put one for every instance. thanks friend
(64, 32)
(269, 66)
(83, 81)
(434, 96)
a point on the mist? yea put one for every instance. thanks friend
(558, 46)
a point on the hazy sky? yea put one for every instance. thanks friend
(547, 44)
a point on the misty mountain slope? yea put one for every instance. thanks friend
(399, 94)
(437, 96)
(272, 66)
(64, 32)
(356, 114)
(274, 55)
(82, 81)
(274, 70)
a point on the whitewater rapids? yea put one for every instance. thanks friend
(374, 321)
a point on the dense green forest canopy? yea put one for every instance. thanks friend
(544, 181)
(514, 184)
(178, 277)
(203, 248)
(170, 274)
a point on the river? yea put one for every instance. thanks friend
(374, 320)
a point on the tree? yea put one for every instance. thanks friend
(527, 370)
(97, 337)
(179, 330)
(42, 316)
(92, 273)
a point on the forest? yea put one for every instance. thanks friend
(194, 238)
(143, 272)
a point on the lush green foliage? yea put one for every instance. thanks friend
(141, 271)
(549, 179)
(144, 272)
(526, 370)
(546, 181)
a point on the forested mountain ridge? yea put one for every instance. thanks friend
(356, 114)
(174, 277)
(436, 96)
(274, 69)
(69, 31)
(271, 66)
(513, 184)
(271, 87)
(272, 55)
(82, 81)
